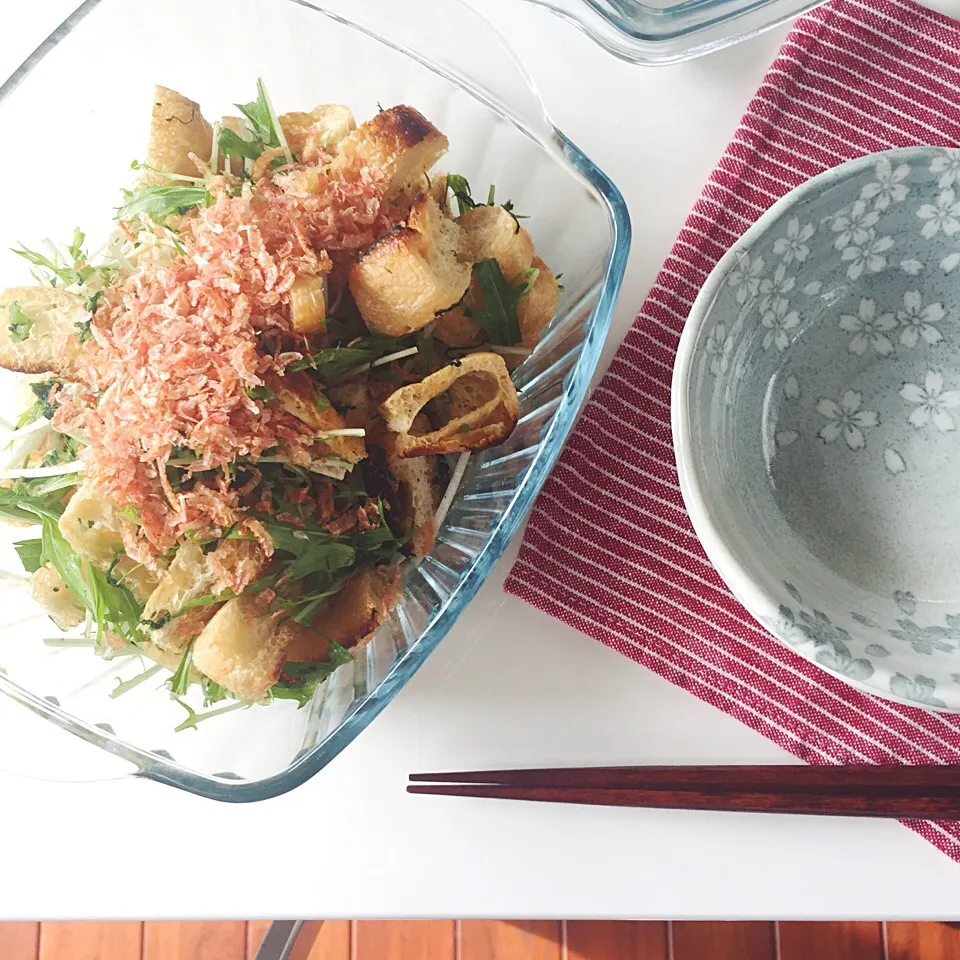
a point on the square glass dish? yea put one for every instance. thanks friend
(667, 31)
(85, 94)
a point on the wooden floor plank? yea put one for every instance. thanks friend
(423, 939)
(511, 940)
(19, 941)
(194, 940)
(726, 940)
(332, 942)
(87, 940)
(852, 941)
(616, 940)
(922, 941)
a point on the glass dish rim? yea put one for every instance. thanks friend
(311, 761)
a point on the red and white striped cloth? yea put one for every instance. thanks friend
(609, 548)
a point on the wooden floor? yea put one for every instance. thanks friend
(490, 940)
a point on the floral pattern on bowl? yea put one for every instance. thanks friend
(816, 415)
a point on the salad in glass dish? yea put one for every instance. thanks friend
(254, 404)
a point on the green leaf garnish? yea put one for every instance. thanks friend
(30, 553)
(180, 681)
(498, 315)
(299, 681)
(264, 122)
(461, 191)
(232, 144)
(194, 718)
(332, 363)
(43, 407)
(160, 202)
(83, 330)
(213, 692)
(20, 323)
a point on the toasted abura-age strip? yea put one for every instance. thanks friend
(50, 343)
(323, 128)
(349, 618)
(418, 490)
(489, 233)
(47, 587)
(475, 397)
(177, 129)
(403, 281)
(233, 565)
(400, 143)
(241, 648)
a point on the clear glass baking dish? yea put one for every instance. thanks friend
(668, 31)
(75, 115)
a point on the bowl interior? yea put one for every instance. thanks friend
(97, 84)
(823, 400)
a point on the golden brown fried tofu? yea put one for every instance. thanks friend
(537, 308)
(177, 129)
(49, 590)
(400, 142)
(39, 332)
(308, 304)
(407, 278)
(482, 403)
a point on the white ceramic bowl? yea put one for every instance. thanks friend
(816, 401)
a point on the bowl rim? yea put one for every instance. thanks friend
(757, 601)
(606, 290)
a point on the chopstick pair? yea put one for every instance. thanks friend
(901, 792)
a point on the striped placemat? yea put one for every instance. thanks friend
(609, 548)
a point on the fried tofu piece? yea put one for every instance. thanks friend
(481, 401)
(407, 278)
(303, 399)
(233, 565)
(241, 648)
(349, 618)
(537, 308)
(91, 526)
(49, 590)
(489, 233)
(419, 499)
(321, 129)
(308, 305)
(177, 129)
(50, 343)
(400, 142)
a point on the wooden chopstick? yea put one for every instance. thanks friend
(902, 792)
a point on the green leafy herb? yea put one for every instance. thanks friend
(92, 302)
(194, 718)
(126, 686)
(232, 144)
(42, 407)
(498, 315)
(78, 272)
(212, 691)
(320, 401)
(160, 202)
(299, 681)
(261, 393)
(30, 553)
(23, 502)
(332, 363)
(20, 323)
(205, 601)
(461, 191)
(313, 551)
(180, 681)
(266, 128)
(83, 330)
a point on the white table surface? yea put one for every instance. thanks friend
(508, 687)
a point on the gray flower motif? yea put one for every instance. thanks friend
(719, 347)
(948, 166)
(889, 185)
(788, 630)
(925, 640)
(836, 656)
(777, 286)
(868, 329)
(920, 689)
(779, 320)
(851, 225)
(919, 321)
(943, 215)
(794, 245)
(846, 419)
(745, 277)
(868, 255)
(932, 402)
